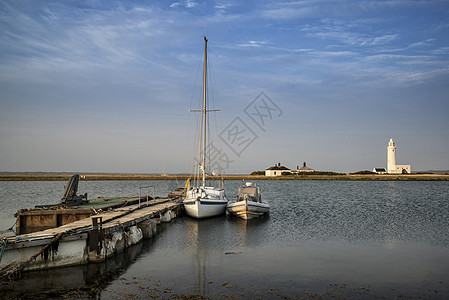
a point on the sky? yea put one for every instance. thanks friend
(105, 86)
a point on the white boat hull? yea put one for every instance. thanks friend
(247, 209)
(205, 208)
(206, 203)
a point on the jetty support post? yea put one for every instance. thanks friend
(148, 192)
(95, 236)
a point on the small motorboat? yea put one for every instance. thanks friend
(249, 202)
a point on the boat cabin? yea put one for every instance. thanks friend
(249, 192)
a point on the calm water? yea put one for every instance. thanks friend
(322, 238)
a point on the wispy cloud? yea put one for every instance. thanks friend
(440, 51)
(254, 44)
(346, 34)
(334, 53)
(329, 8)
(417, 77)
(425, 43)
(416, 46)
(84, 35)
(302, 50)
(400, 59)
(378, 40)
(187, 4)
(222, 7)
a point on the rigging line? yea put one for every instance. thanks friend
(212, 104)
(207, 116)
(215, 92)
(197, 139)
(214, 110)
(196, 83)
(199, 132)
(9, 229)
(215, 95)
(194, 162)
(196, 159)
(188, 167)
(191, 167)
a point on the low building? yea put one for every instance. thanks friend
(304, 168)
(380, 170)
(400, 169)
(276, 170)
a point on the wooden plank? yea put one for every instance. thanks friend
(137, 215)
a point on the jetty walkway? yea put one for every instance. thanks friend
(92, 239)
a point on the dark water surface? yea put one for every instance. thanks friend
(322, 238)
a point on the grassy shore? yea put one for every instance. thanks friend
(50, 177)
(369, 177)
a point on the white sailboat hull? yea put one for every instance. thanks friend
(205, 208)
(206, 203)
(247, 209)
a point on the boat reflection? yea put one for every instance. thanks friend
(204, 237)
(248, 233)
(210, 240)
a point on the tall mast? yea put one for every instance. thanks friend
(204, 111)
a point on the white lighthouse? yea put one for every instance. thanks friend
(391, 157)
(392, 167)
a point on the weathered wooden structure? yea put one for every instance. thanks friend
(50, 216)
(71, 208)
(92, 238)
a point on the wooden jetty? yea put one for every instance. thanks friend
(50, 216)
(95, 237)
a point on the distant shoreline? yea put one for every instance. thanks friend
(107, 177)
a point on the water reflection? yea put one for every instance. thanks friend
(247, 233)
(201, 235)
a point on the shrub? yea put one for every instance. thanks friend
(363, 172)
(287, 173)
(258, 173)
(321, 173)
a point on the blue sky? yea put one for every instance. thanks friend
(105, 86)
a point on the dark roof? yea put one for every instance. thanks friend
(305, 168)
(380, 169)
(278, 168)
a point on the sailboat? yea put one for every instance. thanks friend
(204, 201)
(164, 173)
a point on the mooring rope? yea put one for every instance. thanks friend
(16, 271)
(9, 229)
(4, 243)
